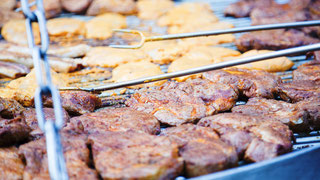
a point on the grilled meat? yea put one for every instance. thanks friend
(11, 166)
(316, 55)
(152, 10)
(133, 155)
(269, 137)
(250, 83)
(299, 90)
(297, 119)
(30, 117)
(12, 70)
(119, 119)
(9, 108)
(243, 8)
(75, 6)
(8, 4)
(125, 7)
(179, 103)
(68, 27)
(308, 71)
(201, 149)
(13, 131)
(76, 155)
(7, 15)
(273, 40)
(312, 107)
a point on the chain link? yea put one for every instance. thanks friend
(50, 127)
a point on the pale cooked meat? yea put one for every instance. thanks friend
(76, 51)
(243, 8)
(12, 70)
(270, 65)
(76, 6)
(287, 113)
(269, 137)
(8, 4)
(67, 27)
(308, 71)
(100, 27)
(76, 102)
(111, 57)
(134, 155)
(153, 9)
(11, 166)
(30, 118)
(201, 149)
(10, 108)
(52, 8)
(119, 119)
(250, 83)
(76, 154)
(299, 90)
(13, 131)
(7, 15)
(126, 7)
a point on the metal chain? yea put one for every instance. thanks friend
(50, 127)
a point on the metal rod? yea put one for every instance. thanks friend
(211, 67)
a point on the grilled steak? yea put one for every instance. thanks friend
(273, 40)
(30, 117)
(243, 8)
(133, 155)
(308, 71)
(316, 55)
(13, 131)
(201, 149)
(250, 83)
(298, 120)
(11, 166)
(76, 102)
(269, 137)
(9, 108)
(119, 119)
(299, 90)
(312, 107)
(76, 155)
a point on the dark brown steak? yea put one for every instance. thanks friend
(133, 155)
(268, 132)
(76, 102)
(312, 107)
(11, 166)
(250, 83)
(242, 8)
(201, 149)
(10, 108)
(308, 71)
(119, 119)
(273, 40)
(299, 90)
(76, 155)
(287, 113)
(13, 131)
(30, 117)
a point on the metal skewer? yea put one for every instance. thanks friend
(285, 52)
(145, 39)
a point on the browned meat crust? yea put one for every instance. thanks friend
(9, 108)
(119, 119)
(269, 137)
(125, 7)
(133, 155)
(243, 8)
(312, 107)
(308, 71)
(201, 149)
(250, 83)
(30, 117)
(76, 102)
(273, 40)
(76, 155)
(299, 90)
(11, 166)
(6, 15)
(297, 119)
(179, 103)
(13, 131)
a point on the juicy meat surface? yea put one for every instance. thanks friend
(9, 108)
(201, 149)
(179, 103)
(133, 155)
(250, 83)
(11, 166)
(270, 134)
(119, 119)
(308, 71)
(298, 120)
(76, 102)
(76, 155)
(243, 8)
(274, 40)
(299, 90)
(13, 131)
(126, 7)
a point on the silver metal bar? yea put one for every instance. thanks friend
(285, 52)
